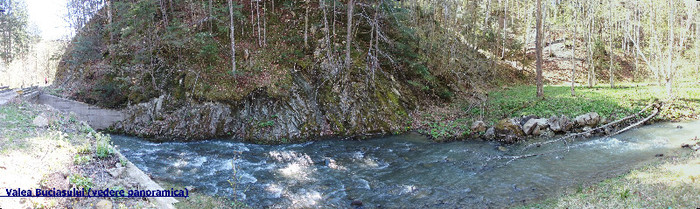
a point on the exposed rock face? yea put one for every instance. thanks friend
(508, 131)
(309, 111)
(478, 126)
(590, 119)
(534, 126)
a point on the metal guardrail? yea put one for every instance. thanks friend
(4, 89)
(27, 91)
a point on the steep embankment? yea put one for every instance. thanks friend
(170, 69)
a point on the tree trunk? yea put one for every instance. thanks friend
(538, 45)
(591, 65)
(109, 19)
(671, 35)
(306, 25)
(635, 41)
(325, 26)
(252, 18)
(697, 48)
(348, 59)
(333, 18)
(573, 55)
(610, 30)
(264, 24)
(257, 12)
(211, 15)
(505, 23)
(164, 11)
(233, 42)
(527, 30)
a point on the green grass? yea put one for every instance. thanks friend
(608, 102)
(16, 123)
(452, 122)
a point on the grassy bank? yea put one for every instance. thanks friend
(452, 121)
(671, 183)
(41, 148)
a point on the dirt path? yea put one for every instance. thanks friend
(43, 148)
(6, 96)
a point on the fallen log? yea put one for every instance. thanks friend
(657, 108)
(655, 104)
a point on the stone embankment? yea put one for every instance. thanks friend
(515, 129)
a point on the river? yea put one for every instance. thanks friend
(399, 171)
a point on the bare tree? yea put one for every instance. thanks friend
(257, 12)
(306, 24)
(573, 50)
(610, 31)
(325, 30)
(164, 12)
(538, 45)
(348, 59)
(233, 40)
(668, 75)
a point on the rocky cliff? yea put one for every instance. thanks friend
(309, 111)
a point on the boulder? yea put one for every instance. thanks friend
(508, 131)
(478, 126)
(40, 121)
(590, 119)
(534, 126)
(490, 133)
(524, 119)
(560, 124)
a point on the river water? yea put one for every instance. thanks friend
(399, 171)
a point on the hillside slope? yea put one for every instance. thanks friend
(169, 67)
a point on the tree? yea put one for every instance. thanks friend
(15, 36)
(573, 50)
(306, 23)
(610, 31)
(538, 46)
(348, 59)
(233, 40)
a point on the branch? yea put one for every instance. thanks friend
(595, 129)
(644, 57)
(656, 111)
(516, 157)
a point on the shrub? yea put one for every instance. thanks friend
(79, 181)
(81, 159)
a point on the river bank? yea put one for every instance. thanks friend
(671, 182)
(42, 148)
(453, 122)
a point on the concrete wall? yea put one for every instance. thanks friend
(98, 118)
